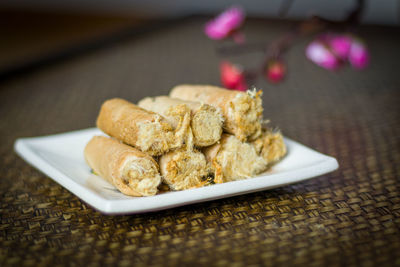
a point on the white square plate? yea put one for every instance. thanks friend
(61, 158)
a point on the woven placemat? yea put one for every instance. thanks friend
(350, 217)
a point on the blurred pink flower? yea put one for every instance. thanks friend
(340, 45)
(358, 55)
(331, 50)
(232, 76)
(320, 53)
(225, 23)
(275, 70)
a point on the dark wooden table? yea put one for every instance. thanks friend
(349, 217)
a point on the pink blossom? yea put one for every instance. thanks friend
(331, 50)
(275, 70)
(225, 23)
(340, 45)
(320, 53)
(232, 76)
(358, 55)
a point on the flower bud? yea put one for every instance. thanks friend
(358, 55)
(340, 45)
(320, 53)
(275, 70)
(232, 76)
(225, 23)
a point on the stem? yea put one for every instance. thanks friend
(315, 25)
(285, 7)
(240, 49)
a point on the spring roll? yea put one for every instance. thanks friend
(270, 146)
(143, 129)
(206, 120)
(185, 169)
(131, 171)
(242, 111)
(233, 159)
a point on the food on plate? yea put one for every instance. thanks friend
(270, 146)
(184, 169)
(234, 160)
(242, 111)
(206, 120)
(199, 135)
(143, 129)
(133, 172)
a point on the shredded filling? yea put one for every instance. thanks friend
(238, 160)
(245, 111)
(157, 137)
(270, 146)
(142, 176)
(154, 135)
(186, 169)
(207, 125)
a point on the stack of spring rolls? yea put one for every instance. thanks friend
(197, 136)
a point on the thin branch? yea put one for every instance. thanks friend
(285, 7)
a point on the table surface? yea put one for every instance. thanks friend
(349, 217)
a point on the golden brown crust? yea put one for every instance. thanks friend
(161, 105)
(133, 172)
(242, 111)
(141, 128)
(119, 118)
(204, 93)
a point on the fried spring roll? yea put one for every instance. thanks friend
(133, 172)
(206, 120)
(233, 159)
(242, 111)
(270, 146)
(184, 169)
(143, 129)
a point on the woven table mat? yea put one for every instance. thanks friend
(349, 217)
